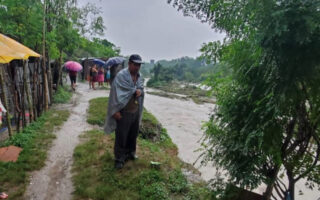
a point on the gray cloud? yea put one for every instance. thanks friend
(153, 29)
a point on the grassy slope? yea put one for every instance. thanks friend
(95, 177)
(35, 141)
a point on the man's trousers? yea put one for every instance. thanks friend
(126, 135)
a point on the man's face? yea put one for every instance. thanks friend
(134, 67)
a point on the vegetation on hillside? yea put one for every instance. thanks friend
(182, 69)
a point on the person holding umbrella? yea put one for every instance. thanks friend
(73, 68)
(94, 78)
(73, 79)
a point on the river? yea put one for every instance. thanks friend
(183, 121)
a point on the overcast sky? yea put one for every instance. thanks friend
(153, 29)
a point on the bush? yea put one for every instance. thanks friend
(177, 182)
(62, 95)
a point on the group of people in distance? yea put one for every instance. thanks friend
(98, 74)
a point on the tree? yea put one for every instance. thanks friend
(267, 116)
(156, 71)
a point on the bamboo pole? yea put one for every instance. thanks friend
(27, 89)
(45, 77)
(50, 82)
(59, 70)
(5, 104)
(22, 102)
(34, 90)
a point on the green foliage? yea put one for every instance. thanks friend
(66, 27)
(177, 182)
(268, 103)
(96, 48)
(154, 191)
(35, 140)
(182, 69)
(62, 95)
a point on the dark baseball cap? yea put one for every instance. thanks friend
(135, 58)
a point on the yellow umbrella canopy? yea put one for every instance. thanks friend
(11, 49)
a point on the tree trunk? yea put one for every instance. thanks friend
(291, 185)
(45, 77)
(59, 70)
(23, 107)
(267, 194)
(5, 104)
(34, 90)
(49, 80)
(27, 89)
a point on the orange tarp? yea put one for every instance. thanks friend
(9, 154)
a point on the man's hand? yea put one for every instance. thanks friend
(117, 115)
(138, 93)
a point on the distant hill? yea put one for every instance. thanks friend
(181, 69)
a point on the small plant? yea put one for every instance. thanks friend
(177, 182)
(155, 191)
(62, 95)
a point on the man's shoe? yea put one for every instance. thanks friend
(132, 157)
(118, 165)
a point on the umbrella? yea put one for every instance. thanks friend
(99, 62)
(11, 49)
(114, 61)
(73, 66)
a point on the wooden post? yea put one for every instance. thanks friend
(50, 87)
(5, 104)
(45, 77)
(27, 89)
(59, 70)
(34, 90)
(23, 107)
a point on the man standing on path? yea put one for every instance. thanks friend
(125, 110)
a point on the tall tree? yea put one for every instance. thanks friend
(267, 116)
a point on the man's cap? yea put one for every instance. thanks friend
(135, 58)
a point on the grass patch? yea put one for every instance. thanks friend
(97, 111)
(95, 177)
(62, 95)
(35, 141)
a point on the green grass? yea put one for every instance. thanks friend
(62, 95)
(95, 177)
(35, 141)
(97, 111)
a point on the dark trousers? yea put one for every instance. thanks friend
(73, 79)
(126, 135)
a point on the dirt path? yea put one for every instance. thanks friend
(53, 182)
